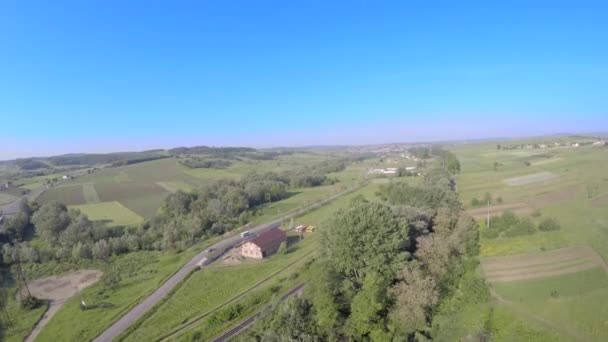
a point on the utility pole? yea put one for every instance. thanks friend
(488, 221)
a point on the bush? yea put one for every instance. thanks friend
(490, 233)
(487, 198)
(475, 202)
(499, 200)
(549, 224)
(536, 213)
(523, 227)
(31, 303)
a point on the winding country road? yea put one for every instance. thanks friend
(200, 259)
(13, 207)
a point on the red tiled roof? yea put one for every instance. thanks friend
(270, 239)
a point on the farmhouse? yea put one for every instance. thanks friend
(264, 245)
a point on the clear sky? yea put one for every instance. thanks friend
(91, 76)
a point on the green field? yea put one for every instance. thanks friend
(142, 187)
(207, 289)
(72, 194)
(6, 198)
(569, 185)
(114, 212)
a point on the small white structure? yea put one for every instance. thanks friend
(410, 168)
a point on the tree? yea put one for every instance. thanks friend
(101, 250)
(365, 238)
(50, 220)
(434, 255)
(328, 302)
(487, 198)
(414, 295)
(16, 226)
(291, 321)
(367, 305)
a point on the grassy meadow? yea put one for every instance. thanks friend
(114, 212)
(568, 184)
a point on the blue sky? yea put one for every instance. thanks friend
(121, 75)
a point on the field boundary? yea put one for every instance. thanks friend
(556, 262)
(546, 323)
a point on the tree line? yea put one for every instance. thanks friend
(183, 219)
(384, 268)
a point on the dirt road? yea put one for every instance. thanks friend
(57, 290)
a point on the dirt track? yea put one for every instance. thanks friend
(57, 290)
(541, 265)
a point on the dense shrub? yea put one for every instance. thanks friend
(548, 224)
(523, 227)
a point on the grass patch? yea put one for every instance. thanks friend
(116, 213)
(568, 285)
(140, 274)
(90, 194)
(175, 186)
(210, 288)
(67, 194)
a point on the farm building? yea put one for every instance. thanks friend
(264, 245)
(387, 171)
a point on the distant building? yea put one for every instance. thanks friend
(387, 171)
(264, 245)
(410, 168)
(599, 143)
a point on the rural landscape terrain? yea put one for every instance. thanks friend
(303, 171)
(150, 249)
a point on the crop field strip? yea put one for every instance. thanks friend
(67, 194)
(113, 211)
(531, 178)
(89, 193)
(540, 265)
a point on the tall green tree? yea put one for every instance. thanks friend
(365, 238)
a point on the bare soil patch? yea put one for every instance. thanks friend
(541, 265)
(518, 208)
(551, 197)
(601, 201)
(532, 178)
(58, 289)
